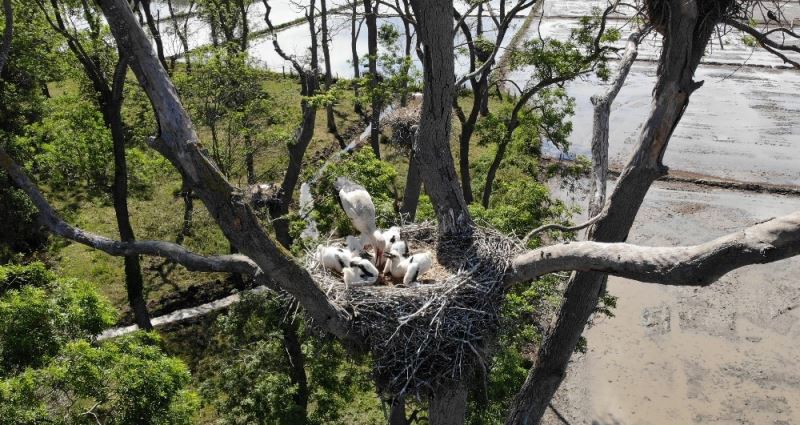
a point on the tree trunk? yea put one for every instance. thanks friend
(181, 33)
(354, 30)
(498, 158)
(371, 16)
(397, 411)
(244, 37)
(297, 370)
(188, 213)
(134, 282)
(326, 55)
(412, 190)
(152, 25)
(432, 145)
(448, 407)
(683, 46)
(248, 160)
(467, 128)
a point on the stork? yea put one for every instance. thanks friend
(416, 265)
(360, 272)
(335, 258)
(391, 236)
(396, 265)
(358, 206)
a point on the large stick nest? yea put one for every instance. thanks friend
(435, 334)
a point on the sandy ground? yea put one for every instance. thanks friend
(722, 354)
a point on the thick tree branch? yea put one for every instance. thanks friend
(697, 265)
(177, 253)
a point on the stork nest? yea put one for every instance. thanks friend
(435, 334)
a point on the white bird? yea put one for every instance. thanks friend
(360, 271)
(354, 244)
(391, 235)
(396, 265)
(416, 265)
(335, 258)
(357, 204)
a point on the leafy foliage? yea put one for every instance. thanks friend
(43, 314)
(51, 373)
(362, 167)
(253, 379)
(126, 381)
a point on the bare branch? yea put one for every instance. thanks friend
(602, 112)
(697, 265)
(556, 226)
(766, 42)
(177, 253)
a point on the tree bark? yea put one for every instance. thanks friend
(397, 411)
(326, 55)
(152, 25)
(182, 34)
(354, 30)
(371, 16)
(448, 406)
(492, 172)
(602, 111)
(683, 46)
(413, 189)
(134, 281)
(297, 369)
(432, 145)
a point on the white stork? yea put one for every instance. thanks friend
(395, 260)
(360, 272)
(416, 265)
(357, 204)
(391, 235)
(335, 258)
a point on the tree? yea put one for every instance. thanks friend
(52, 372)
(482, 53)
(106, 77)
(686, 30)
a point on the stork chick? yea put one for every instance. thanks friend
(416, 265)
(391, 235)
(396, 264)
(357, 204)
(360, 272)
(335, 258)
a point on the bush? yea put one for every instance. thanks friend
(125, 381)
(26, 234)
(40, 317)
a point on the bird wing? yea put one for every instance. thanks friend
(357, 204)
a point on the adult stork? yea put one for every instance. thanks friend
(358, 206)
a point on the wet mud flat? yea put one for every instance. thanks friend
(726, 353)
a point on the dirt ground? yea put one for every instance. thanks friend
(726, 353)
